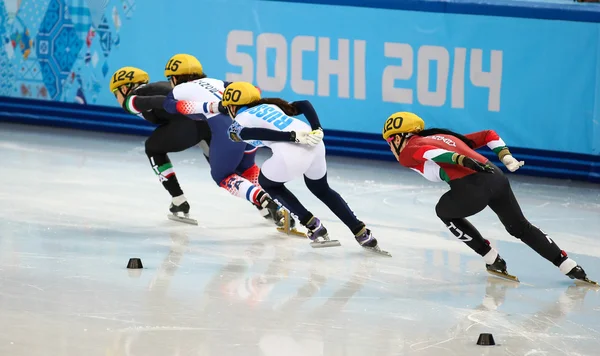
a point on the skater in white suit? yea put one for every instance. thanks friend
(298, 150)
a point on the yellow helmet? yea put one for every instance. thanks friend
(240, 93)
(127, 75)
(402, 123)
(183, 64)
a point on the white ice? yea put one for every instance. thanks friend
(77, 205)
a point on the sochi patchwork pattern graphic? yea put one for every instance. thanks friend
(59, 49)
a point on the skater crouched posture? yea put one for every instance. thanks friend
(270, 123)
(232, 164)
(175, 132)
(442, 155)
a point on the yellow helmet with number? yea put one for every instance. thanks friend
(183, 64)
(240, 93)
(128, 75)
(402, 123)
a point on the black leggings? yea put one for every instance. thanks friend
(175, 136)
(321, 189)
(471, 194)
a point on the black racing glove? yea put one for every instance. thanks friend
(222, 109)
(477, 166)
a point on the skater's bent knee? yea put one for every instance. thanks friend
(150, 149)
(441, 212)
(317, 186)
(519, 229)
(219, 177)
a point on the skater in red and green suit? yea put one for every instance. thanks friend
(475, 183)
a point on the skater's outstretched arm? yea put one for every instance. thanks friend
(495, 143)
(136, 104)
(306, 108)
(240, 133)
(188, 107)
(421, 153)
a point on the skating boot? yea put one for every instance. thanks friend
(318, 234)
(179, 204)
(369, 242)
(269, 209)
(578, 274)
(498, 268)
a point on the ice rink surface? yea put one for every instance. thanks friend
(77, 205)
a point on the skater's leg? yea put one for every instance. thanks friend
(247, 168)
(273, 175)
(321, 189)
(176, 136)
(315, 179)
(225, 157)
(160, 162)
(252, 174)
(505, 205)
(466, 197)
(279, 192)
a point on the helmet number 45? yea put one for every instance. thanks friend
(173, 65)
(122, 75)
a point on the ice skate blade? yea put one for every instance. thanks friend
(504, 275)
(292, 232)
(377, 250)
(327, 243)
(182, 219)
(586, 282)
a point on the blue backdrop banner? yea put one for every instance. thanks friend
(534, 81)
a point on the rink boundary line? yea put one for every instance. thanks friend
(544, 163)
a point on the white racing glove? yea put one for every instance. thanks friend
(311, 138)
(511, 163)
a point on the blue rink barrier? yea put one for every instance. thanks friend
(342, 143)
(533, 9)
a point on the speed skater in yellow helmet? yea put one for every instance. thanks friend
(129, 77)
(239, 94)
(183, 68)
(398, 127)
(125, 80)
(400, 123)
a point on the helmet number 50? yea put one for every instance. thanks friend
(232, 95)
(173, 65)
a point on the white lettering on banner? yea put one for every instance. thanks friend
(339, 67)
(402, 72)
(301, 44)
(328, 65)
(426, 54)
(265, 41)
(491, 79)
(458, 79)
(240, 59)
(346, 66)
(360, 57)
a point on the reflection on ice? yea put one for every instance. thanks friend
(234, 286)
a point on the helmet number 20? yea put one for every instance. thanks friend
(173, 65)
(395, 122)
(122, 75)
(232, 95)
